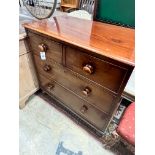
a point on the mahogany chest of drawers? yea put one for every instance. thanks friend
(86, 65)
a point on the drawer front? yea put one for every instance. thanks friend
(52, 49)
(93, 115)
(100, 71)
(95, 95)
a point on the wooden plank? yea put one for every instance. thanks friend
(28, 82)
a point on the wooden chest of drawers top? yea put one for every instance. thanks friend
(104, 39)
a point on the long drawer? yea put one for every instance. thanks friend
(93, 115)
(52, 49)
(95, 95)
(95, 69)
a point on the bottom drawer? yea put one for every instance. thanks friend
(93, 115)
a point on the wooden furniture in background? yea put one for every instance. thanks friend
(69, 4)
(28, 83)
(86, 68)
(85, 5)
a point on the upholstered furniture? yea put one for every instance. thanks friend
(126, 127)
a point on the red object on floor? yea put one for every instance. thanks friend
(126, 127)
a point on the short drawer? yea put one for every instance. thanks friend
(93, 115)
(104, 73)
(95, 95)
(52, 49)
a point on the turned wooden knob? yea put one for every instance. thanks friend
(84, 108)
(42, 47)
(50, 86)
(47, 68)
(88, 69)
(86, 91)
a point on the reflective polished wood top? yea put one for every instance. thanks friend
(109, 40)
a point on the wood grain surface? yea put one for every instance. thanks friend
(83, 108)
(111, 41)
(98, 96)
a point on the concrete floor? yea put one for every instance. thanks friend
(43, 130)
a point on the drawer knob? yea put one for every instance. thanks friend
(42, 47)
(86, 91)
(50, 86)
(88, 69)
(84, 108)
(46, 68)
